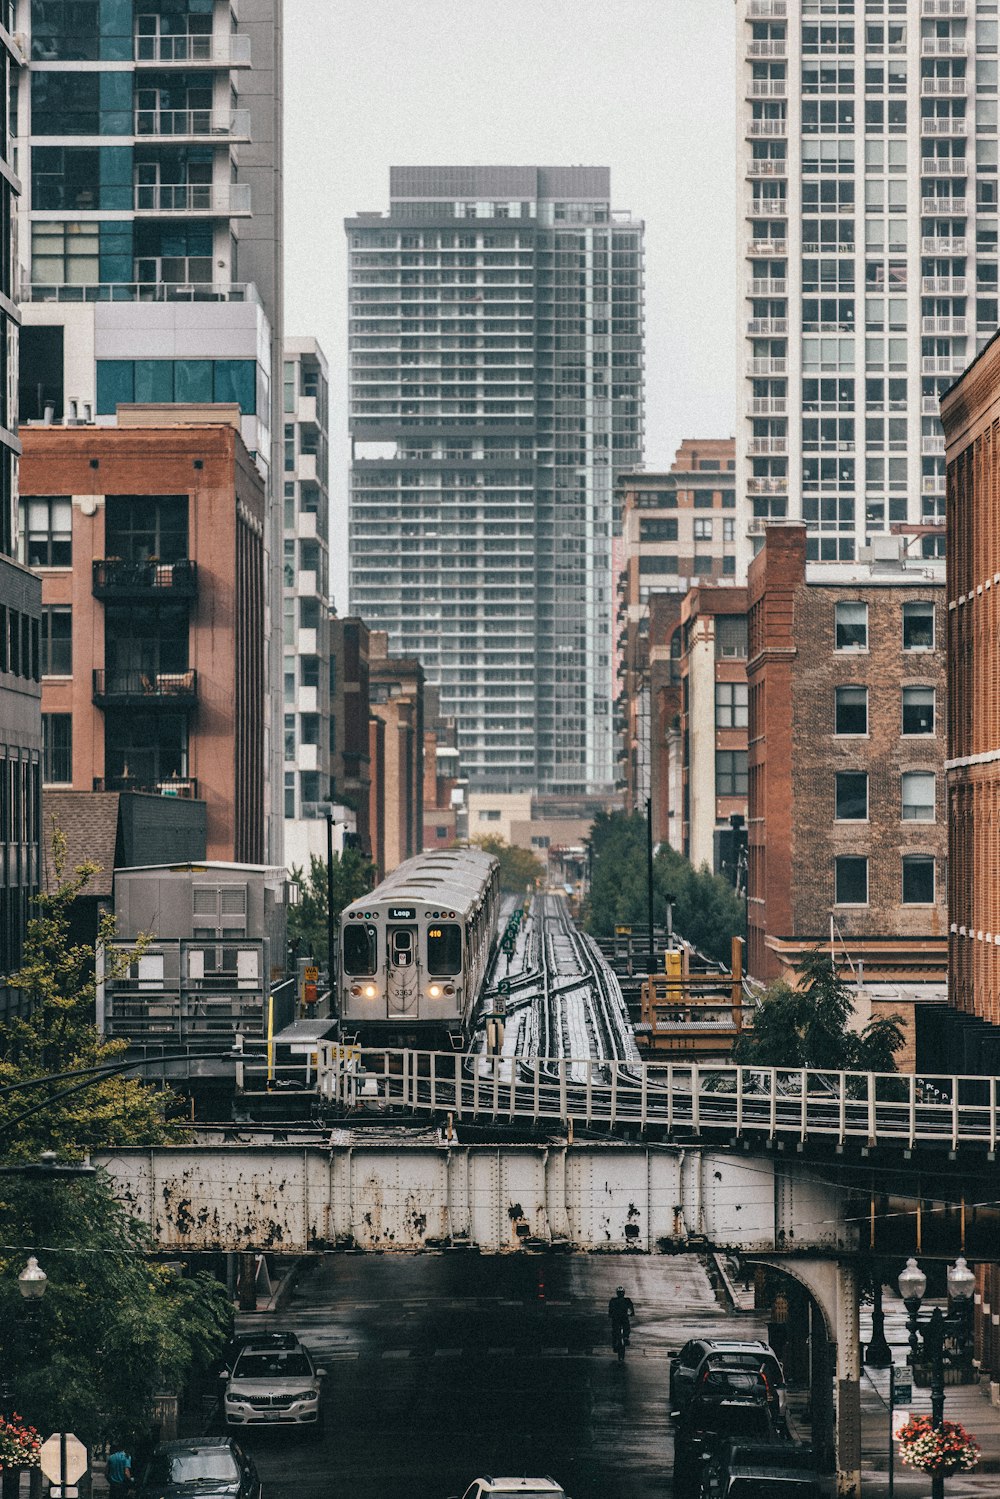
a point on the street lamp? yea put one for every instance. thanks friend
(32, 1280)
(912, 1286)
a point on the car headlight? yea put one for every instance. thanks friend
(305, 1395)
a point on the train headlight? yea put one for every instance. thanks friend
(370, 991)
(435, 991)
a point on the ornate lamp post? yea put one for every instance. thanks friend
(932, 1332)
(32, 1281)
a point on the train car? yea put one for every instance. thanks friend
(414, 953)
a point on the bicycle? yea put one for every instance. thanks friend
(619, 1339)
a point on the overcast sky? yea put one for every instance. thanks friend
(645, 87)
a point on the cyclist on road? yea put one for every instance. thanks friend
(621, 1311)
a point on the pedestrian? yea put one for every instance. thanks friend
(119, 1471)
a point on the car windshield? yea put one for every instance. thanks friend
(214, 1466)
(754, 1361)
(276, 1364)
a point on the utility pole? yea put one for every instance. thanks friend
(649, 878)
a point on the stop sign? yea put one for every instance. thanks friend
(50, 1458)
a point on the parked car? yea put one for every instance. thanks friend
(526, 1488)
(737, 1410)
(272, 1387)
(701, 1357)
(761, 1470)
(197, 1468)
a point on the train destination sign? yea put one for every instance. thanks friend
(402, 913)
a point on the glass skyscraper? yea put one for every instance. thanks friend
(496, 390)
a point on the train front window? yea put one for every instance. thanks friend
(444, 949)
(359, 949)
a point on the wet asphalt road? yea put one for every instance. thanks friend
(444, 1367)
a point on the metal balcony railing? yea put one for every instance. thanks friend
(140, 689)
(194, 49)
(232, 124)
(114, 578)
(184, 788)
(215, 200)
(139, 291)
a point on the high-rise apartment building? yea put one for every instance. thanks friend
(149, 140)
(310, 742)
(20, 608)
(496, 357)
(869, 258)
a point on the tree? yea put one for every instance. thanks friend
(519, 869)
(353, 876)
(809, 1026)
(113, 1328)
(707, 911)
(57, 1035)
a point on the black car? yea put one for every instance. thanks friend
(200, 1468)
(700, 1359)
(761, 1470)
(714, 1417)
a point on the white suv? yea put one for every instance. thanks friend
(273, 1387)
(527, 1488)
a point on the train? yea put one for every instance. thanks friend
(415, 952)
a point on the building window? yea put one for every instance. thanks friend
(918, 710)
(57, 749)
(919, 795)
(289, 793)
(852, 796)
(290, 736)
(309, 728)
(730, 636)
(658, 530)
(852, 626)
(918, 880)
(851, 710)
(731, 705)
(730, 772)
(57, 641)
(122, 381)
(851, 880)
(490, 814)
(728, 529)
(703, 529)
(918, 627)
(46, 531)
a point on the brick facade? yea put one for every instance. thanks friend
(801, 821)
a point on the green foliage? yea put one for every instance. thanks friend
(353, 876)
(707, 911)
(808, 1026)
(113, 1328)
(519, 869)
(57, 1034)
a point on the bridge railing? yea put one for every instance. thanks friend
(688, 1098)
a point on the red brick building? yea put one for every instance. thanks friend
(846, 761)
(971, 415)
(149, 541)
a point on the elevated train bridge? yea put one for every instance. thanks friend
(808, 1172)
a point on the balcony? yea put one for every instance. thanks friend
(946, 125)
(944, 286)
(942, 46)
(769, 246)
(943, 88)
(768, 287)
(205, 200)
(768, 128)
(943, 364)
(944, 166)
(767, 406)
(305, 411)
(768, 447)
(193, 125)
(185, 788)
(768, 10)
(139, 689)
(767, 208)
(932, 447)
(116, 579)
(946, 208)
(768, 325)
(777, 47)
(930, 406)
(767, 367)
(951, 326)
(933, 484)
(768, 167)
(139, 291)
(193, 50)
(933, 244)
(943, 8)
(767, 88)
(768, 486)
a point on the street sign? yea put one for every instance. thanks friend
(63, 1459)
(504, 986)
(623, 931)
(902, 1392)
(310, 975)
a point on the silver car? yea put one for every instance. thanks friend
(273, 1387)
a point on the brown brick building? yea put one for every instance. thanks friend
(149, 541)
(846, 761)
(713, 724)
(350, 760)
(970, 412)
(397, 699)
